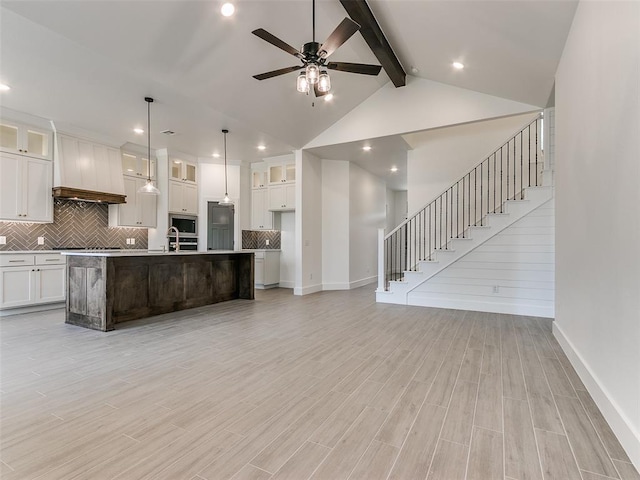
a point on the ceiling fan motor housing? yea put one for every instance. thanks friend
(310, 52)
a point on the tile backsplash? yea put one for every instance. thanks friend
(253, 239)
(75, 224)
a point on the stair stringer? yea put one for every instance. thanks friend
(398, 292)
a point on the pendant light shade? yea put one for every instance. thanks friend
(149, 188)
(301, 84)
(312, 72)
(226, 200)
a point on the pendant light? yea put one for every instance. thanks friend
(226, 200)
(149, 188)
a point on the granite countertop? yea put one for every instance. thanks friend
(13, 252)
(144, 253)
(261, 250)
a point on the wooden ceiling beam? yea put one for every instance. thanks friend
(360, 13)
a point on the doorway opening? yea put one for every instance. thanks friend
(220, 226)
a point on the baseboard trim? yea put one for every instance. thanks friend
(286, 284)
(477, 306)
(30, 309)
(307, 290)
(364, 281)
(349, 285)
(629, 438)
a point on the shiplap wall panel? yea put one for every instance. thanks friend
(512, 272)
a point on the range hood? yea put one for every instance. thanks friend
(87, 171)
(69, 193)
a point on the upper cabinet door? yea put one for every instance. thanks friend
(182, 171)
(25, 140)
(137, 166)
(282, 172)
(37, 198)
(10, 187)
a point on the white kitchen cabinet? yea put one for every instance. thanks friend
(88, 166)
(25, 140)
(31, 279)
(282, 197)
(183, 198)
(282, 172)
(25, 188)
(258, 175)
(140, 209)
(182, 171)
(267, 269)
(137, 165)
(261, 217)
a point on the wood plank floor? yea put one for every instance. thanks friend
(328, 386)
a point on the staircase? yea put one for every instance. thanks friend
(502, 189)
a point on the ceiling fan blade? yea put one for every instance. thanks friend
(275, 73)
(361, 68)
(318, 92)
(341, 34)
(273, 40)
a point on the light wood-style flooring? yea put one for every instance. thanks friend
(329, 386)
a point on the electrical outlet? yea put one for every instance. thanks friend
(133, 241)
(128, 241)
(311, 276)
(496, 289)
(3, 240)
(266, 242)
(40, 240)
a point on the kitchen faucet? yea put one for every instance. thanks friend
(174, 229)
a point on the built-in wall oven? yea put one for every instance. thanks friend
(187, 244)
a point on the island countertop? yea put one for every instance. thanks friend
(147, 253)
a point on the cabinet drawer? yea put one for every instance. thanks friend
(16, 260)
(50, 259)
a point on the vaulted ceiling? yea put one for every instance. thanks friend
(89, 64)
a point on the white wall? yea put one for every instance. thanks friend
(598, 209)
(420, 105)
(287, 249)
(308, 223)
(401, 201)
(512, 272)
(442, 156)
(335, 225)
(367, 213)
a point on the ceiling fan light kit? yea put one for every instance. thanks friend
(314, 57)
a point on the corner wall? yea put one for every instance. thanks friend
(598, 210)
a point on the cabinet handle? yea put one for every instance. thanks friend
(50, 259)
(16, 261)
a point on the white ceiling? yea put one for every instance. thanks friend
(89, 64)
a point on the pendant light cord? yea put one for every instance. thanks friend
(148, 100)
(226, 190)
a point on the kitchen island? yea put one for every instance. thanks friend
(105, 288)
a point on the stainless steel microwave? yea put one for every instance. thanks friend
(187, 225)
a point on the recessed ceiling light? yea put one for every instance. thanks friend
(228, 9)
(4, 87)
(394, 169)
(328, 97)
(216, 155)
(261, 147)
(139, 131)
(414, 69)
(458, 65)
(366, 148)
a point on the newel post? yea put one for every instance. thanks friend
(381, 276)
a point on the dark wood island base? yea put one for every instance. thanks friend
(104, 289)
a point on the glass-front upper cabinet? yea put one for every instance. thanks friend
(25, 140)
(136, 165)
(182, 170)
(258, 175)
(284, 172)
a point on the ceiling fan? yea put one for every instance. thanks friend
(313, 56)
